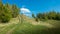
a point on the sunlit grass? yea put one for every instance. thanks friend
(27, 28)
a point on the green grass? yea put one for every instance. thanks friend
(27, 28)
(6, 28)
(56, 23)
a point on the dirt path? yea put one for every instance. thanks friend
(2, 29)
(10, 31)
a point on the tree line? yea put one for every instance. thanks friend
(51, 15)
(8, 11)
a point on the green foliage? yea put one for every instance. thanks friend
(58, 16)
(36, 19)
(52, 15)
(7, 12)
(33, 15)
(5, 15)
(39, 15)
(15, 11)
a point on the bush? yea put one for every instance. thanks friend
(5, 15)
(36, 19)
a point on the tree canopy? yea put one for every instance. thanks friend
(51, 15)
(7, 12)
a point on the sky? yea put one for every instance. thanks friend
(35, 6)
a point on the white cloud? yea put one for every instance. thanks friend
(25, 10)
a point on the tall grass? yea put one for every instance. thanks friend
(27, 28)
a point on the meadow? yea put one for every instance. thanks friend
(42, 27)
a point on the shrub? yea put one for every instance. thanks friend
(5, 16)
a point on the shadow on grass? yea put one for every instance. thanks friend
(27, 28)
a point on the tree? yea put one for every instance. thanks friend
(58, 16)
(7, 12)
(33, 15)
(5, 15)
(52, 15)
(39, 16)
(44, 16)
(15, 11)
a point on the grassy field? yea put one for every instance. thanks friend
(42, 27)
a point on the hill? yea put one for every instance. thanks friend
(29, 26)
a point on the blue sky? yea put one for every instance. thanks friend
(36, 6)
